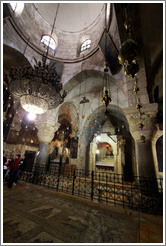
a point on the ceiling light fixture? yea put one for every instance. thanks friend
(31, 116)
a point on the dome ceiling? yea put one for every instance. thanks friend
(75, 22)
(73, 17)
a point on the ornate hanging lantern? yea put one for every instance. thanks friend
(131, 70)
(38, 89)
(106, 99)
(129, 52)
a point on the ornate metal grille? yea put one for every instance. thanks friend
(140, 195)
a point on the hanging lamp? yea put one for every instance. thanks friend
(129, 51)
(38, 89)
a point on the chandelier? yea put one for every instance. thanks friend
(38, 89)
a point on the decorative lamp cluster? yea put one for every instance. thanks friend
(129, 52)
(128, 57)
(141, 124)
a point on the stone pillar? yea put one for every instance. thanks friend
(46, 129)
(144, 157)
(82, 152)
(42, 157)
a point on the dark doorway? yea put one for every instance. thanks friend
(30, 157)
(159, 148)
(128, 168)
(87, 158)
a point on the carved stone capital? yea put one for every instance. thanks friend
(148, 118)
(46, 130)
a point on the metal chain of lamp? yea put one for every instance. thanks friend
(106, 99)
(128, 57)
(37, 88)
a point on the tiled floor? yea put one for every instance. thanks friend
(33, 214)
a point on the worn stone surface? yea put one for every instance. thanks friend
(40, 215)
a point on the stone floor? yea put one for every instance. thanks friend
(34, 214)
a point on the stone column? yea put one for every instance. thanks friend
(144, 156)
(82, 152)
(46, 129)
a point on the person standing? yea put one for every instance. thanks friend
(21, 168)
(8, 163)
(13, 170)
(4, 166)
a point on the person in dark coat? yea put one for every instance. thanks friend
(21, 168)
(4, 166)
(13, 170)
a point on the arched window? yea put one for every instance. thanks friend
(48, 41)
(86, 45)
(17, 7)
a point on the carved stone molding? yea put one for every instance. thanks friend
(148, 118)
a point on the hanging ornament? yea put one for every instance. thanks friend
(143, 138)
(123, 141)
(129, 52)
(106, 99)
(84, 100)
(136, 89)
(131, 70)
(91, 125)
(138, 105)
(141, 125)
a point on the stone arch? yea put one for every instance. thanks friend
(156, 137)
(13, 58)
(87, 135)
(68, 112)
(98, 117)
(93, 82)
(156, 76)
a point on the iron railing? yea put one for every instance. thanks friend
(142, 194)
